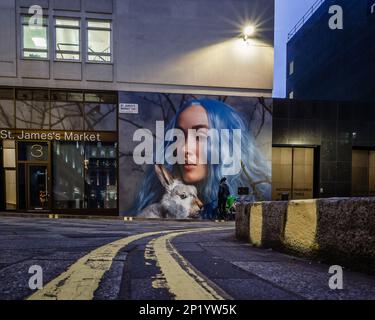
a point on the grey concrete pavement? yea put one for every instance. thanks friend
(238, 269)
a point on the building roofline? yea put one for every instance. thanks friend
(305, 18)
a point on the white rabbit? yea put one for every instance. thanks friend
(180, 201)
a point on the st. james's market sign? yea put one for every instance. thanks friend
(55, 135)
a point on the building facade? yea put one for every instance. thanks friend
(68, 68)
(323, 149)
(333, 64)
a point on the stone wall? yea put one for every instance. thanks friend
(336, 230)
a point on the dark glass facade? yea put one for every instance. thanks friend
(335, 131)
(336, 65)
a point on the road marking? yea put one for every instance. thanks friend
(82, 278)
(182, 283)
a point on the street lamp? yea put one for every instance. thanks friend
(248, 32)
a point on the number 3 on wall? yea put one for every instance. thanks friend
(37, 151)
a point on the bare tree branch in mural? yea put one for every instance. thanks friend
(263, 118)
(263, 110)
(166, 95)
(133, 124)
(162, 107)
(262, 102)
(182, 101)
(253, 184)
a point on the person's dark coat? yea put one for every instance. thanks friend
(223, 191)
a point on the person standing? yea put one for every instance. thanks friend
(222, 197)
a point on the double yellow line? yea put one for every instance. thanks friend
(82, 279)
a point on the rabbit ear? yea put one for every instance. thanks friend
(164, 175)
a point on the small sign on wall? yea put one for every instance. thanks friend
(129, 108)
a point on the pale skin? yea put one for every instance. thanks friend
(195, 117)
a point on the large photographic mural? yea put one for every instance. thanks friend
(175, 149)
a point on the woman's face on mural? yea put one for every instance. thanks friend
(195, 168)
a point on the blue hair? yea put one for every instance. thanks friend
(255, 172)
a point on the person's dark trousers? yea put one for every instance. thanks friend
(222, 208)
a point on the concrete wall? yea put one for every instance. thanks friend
(171, 45)
(336, 230)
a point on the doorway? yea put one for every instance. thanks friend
(363, 173)
(293, 173)
(37, 176)
(34, 175)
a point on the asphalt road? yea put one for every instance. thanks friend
(113, 259)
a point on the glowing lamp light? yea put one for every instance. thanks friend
(248, 32)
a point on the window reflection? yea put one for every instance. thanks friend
(66, 116)
(101, 175)
(101, 117)
(85, 175)
(34, 39)
(32, 114)
(99, 41)
(6, 114)
(69, 186)
(67, 39)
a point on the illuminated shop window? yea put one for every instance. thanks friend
(85, 175)
(99, 44)
(34, 38)
(67, 39)
(101, 175)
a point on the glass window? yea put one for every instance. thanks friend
(291, 68)
(32, 114)
(34, 38)
(24, 94)
(100, 117)
(85, 175)
(101, 175)
(67, 38)
(99, 41)
(6, 94)
(103, 97)
(68, 170)
(75, 96)
(6, 114)
(66, 116)
(58, 95)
